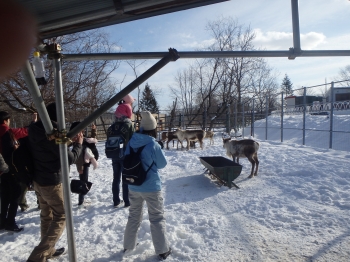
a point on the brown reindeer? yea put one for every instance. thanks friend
(190, 135)
(210, 135)
(243, 148)
(170, 136)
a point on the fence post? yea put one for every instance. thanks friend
(183, 121)
(236, 118)
(243, 120)
(304, 115)
(228, 126)
(331, 117)
(266, 115)
(180, 121)
(253, 116)
(282, 114)
(204, 118)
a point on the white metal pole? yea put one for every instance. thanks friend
(64, 160)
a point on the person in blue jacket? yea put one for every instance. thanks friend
(149, 192)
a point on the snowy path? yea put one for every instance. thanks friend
(296, 209)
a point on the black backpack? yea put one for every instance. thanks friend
(115, 144)
(133, 172)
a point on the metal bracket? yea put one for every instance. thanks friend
(54, 51)
(294, 52)
(59, 136)
(291, 55)
(173, 54)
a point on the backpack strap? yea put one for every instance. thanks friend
(139, 152)
(118, 130)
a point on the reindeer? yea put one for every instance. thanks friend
(243, 148)
(190, 135)
(210, 135)
(168, 136)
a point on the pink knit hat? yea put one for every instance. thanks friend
(128, 99)
(123, 110)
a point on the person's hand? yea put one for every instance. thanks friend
(80, 138)
(35, 117)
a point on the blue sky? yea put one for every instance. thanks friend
(324, 25)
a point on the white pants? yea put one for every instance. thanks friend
(154, 202)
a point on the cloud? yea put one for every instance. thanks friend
(199, 45)
(273, 40)
(187, 35)
(339, 42)
(312, 40)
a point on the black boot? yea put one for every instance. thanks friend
(164, 255)
(59, 252)
(14, 228)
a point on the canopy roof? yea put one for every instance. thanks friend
(60, 17)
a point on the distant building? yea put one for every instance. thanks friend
(295, 101)
(339, 94)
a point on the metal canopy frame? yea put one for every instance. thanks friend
(62, 17)
(172, 55)
(290, 54)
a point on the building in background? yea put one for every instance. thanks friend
(339, 94)
(297, 101)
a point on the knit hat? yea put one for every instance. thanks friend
(123, 110)
(128, 99)
(148, 122)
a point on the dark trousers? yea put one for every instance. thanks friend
(117, 173)
(22, 201)
(83, 177)
(10, 192)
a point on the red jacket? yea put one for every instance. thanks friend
(18, 132)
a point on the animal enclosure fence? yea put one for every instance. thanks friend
(274, 123)
(280, 123)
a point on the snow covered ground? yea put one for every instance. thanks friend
(296, 209)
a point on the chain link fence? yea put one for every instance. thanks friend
(324, 124)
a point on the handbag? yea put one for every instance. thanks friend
(80, 187)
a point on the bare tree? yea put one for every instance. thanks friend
(134, 64)
(86, 84)
(196, 88)
(218, 85)
(344, 75)
(263, 84)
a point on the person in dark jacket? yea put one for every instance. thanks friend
(150, 192)
(10, 183)
(123, 115)
(85, 158)
(47, 180)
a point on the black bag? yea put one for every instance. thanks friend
(80, 187)
(115, 144)
(133, 172)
